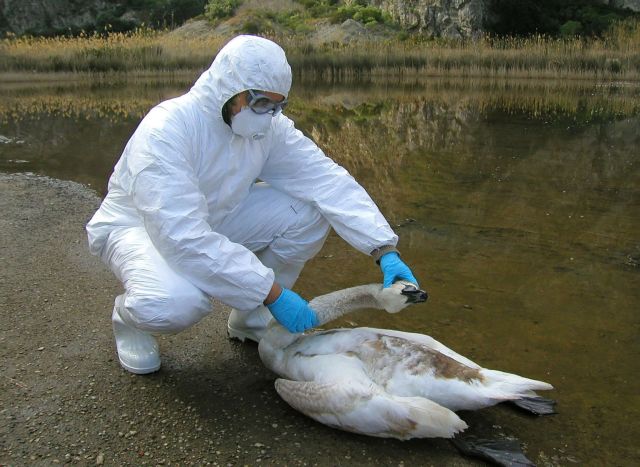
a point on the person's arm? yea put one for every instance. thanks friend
(298, 167)
(274, 294)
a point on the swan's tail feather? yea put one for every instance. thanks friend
(431, 420)
(370, 411)
(508, 386)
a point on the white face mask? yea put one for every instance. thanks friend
(249, 124)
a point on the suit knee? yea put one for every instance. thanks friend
(166, 314)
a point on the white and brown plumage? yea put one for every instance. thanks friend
(381, 382)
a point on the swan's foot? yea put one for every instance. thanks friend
(536, 405)
(505, 452)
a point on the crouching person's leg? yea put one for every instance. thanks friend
(156, 300)
(284, 233)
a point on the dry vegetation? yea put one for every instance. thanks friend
(616, 56)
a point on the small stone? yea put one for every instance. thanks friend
(100, 459)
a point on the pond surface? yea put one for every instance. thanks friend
(517, 205)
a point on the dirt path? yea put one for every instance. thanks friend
(65, 399)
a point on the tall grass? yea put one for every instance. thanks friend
(616, 56)
(142, 50)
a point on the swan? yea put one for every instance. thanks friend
(381, 382)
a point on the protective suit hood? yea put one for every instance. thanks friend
(245, 62)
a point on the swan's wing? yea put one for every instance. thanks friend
(311, 397)
(367, 410)
(429, 342)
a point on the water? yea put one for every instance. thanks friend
(517, 205)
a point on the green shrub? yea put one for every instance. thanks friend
(293, 20)
(110, 20)
(571, 28)
(174, 12)
(364, 14)
(319, 8)
(553, 17)
(251, 26)
(219, 9)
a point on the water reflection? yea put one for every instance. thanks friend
(517, 205)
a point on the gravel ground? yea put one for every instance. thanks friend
(65, 400)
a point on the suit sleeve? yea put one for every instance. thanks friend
(297, 166)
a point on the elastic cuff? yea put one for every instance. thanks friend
(383, 250)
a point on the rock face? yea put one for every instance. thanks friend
(633, 5)
(438, 18)
(435, 18)
(55, 16)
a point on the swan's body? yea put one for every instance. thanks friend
(381, 382)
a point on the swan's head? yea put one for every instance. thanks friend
(400, 295)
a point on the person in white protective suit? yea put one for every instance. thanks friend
(217, 194)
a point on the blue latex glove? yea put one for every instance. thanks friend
(394, 269)
(293, 312)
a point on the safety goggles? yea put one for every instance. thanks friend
(262, 104)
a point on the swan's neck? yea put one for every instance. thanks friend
(328, 307)
(335, 304)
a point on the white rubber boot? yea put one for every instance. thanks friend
(138, 351)
(250, 325)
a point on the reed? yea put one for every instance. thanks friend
(142, 50)
(613, 57)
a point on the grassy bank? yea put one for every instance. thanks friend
(615, 56)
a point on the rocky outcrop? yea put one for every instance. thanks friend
(633, 5)
(35, 16)
(47, 17)
(437, 18)
(434, 18)
(630, 4)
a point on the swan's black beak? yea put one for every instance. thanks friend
(414, 294)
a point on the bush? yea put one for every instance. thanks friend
(571, 28)
(553, 17)
(318, 8)
(218, 9)
(364, 14)
(110, 20)
(293, 20)
(175, 12)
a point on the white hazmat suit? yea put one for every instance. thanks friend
(185, 218)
